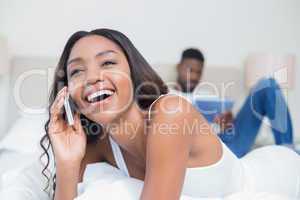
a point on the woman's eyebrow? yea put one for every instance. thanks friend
(74, 60)
(78, 59)
(105, 52)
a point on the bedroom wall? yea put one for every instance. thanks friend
(227, 31)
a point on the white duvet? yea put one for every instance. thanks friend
(100, 181)
(106, 182)
(128, 189)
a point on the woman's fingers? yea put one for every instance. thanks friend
(55, 126)
(59, 94)
(58, 103)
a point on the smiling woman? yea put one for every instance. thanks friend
(148, 134)
(101, 69)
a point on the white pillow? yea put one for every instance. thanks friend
(109, 183)
(25, 134)
(256, 196)
(10, 169)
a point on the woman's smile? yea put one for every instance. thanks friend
(97, 97)
(99, 102)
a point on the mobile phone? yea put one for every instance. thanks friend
(69, 106)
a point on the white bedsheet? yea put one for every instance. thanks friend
(100, 180)
(107, 182)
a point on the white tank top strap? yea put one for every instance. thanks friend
(120, 161)
(150, 107)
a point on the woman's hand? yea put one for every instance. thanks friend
(68, 143)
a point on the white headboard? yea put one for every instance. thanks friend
(30, 80)
(4, 84)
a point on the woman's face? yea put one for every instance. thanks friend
(99, 79)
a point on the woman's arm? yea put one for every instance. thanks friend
(168, 147)
(67, 178)
(69, 147)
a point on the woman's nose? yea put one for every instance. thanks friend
(93, 76)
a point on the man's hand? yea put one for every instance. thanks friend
(224, 120)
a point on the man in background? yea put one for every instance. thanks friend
(189, 70)
(239, 132)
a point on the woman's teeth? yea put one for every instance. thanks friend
(99, 95)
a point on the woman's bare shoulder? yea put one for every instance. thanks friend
(173, 106)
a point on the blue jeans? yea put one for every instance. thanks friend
(265, 100)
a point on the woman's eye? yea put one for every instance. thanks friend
(76, 71)
(108, 63)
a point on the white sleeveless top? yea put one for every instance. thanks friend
(222, 178)
(219, 179)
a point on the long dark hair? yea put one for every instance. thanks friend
(147, 84)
